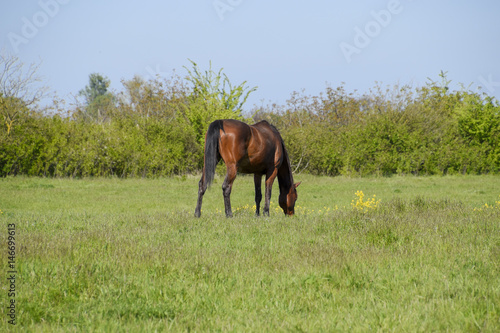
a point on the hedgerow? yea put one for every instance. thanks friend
(156, 128)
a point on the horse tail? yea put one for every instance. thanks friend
(212, 154)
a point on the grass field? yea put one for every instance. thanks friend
(111, 255)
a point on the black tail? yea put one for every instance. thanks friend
(212, 155)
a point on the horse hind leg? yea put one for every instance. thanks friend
(202, 187)
(226, 188)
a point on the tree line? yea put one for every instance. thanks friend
(156, 128)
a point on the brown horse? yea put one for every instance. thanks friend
(257, 149)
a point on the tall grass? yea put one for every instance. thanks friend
(127, 255)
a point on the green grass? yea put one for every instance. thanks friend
(116, 255)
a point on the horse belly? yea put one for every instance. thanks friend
(246, 165)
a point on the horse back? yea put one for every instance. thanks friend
(254, 148)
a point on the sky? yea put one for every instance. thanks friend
(279, 46)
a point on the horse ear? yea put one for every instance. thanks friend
(297, 184)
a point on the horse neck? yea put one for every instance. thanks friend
(285, 177)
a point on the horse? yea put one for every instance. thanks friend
(257, 149)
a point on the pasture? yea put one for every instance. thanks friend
(112, 255)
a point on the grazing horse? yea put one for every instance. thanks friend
(257, 149)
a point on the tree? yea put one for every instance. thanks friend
(98, 101)
(213, 97)
(19, 88)
(152, 98)
(11, 108)
(19, 81)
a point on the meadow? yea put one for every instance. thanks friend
(127, 255)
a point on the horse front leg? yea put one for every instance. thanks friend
(257, 178)
(226, 188)
(269, 187)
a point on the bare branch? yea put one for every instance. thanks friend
(20, 81)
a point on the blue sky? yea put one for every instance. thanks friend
(279, 46)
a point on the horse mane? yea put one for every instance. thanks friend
(285, 177)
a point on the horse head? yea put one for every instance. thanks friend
(287, 200)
